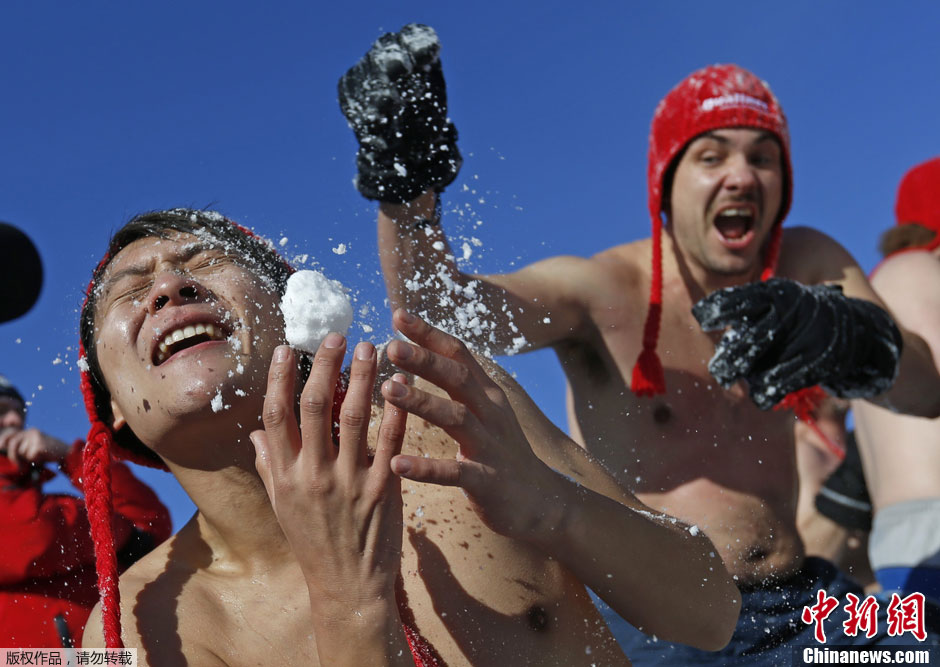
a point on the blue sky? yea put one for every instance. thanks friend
(113, 109)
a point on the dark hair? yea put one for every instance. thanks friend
(252, 251)
(902, 237)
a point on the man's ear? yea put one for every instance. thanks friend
(117, 420)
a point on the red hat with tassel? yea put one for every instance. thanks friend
(919, 199)
(719, 96)
(102, 442)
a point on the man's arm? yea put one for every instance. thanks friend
(395, 100)
(529, 481)
(916, 390)
(537, 306)
(910, 285)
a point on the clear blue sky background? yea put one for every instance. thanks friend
(110, 109)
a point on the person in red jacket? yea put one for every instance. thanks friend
(47, 565)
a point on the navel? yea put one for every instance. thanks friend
(537, 618)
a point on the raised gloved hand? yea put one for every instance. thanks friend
(395, 100)
(784, 336)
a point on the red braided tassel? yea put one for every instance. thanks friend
(804, 403)
(422, 652)
(773, 252)
(648, 376)
(96, 484)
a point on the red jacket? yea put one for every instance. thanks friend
(47, 562)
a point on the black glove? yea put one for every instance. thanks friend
(785, 336)
(395, 100)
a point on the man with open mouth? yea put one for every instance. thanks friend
(681, 422)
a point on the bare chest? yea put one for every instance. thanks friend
(696, 429)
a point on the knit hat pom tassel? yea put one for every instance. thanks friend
(648, 377)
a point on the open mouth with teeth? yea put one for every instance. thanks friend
(185, 337)
(735, 225)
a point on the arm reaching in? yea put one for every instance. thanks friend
(341, 513)
(395, 100)
(660, 575)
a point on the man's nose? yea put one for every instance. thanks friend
(741, 175)
(174, 288)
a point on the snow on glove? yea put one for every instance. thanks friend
(784, 336)
(395, 100)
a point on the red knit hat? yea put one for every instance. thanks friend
(719, 96)
(919, 198)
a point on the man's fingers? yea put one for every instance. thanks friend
(357, 407)
(422, 43)
(444, 472)
(430, 337)
(262, 458)
(446, 362)
(278, 412)
(316, 400)
(737, 353)
(725, 307)
(453, 417)
(392, 430)
(14, 446)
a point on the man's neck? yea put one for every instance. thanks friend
(235, 517)
(701, 281)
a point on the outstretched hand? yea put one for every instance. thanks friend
(30, 445)
(395, 100)
(505, 481)
(341, 512)
(783, 336)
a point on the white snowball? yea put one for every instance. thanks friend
(313, 306)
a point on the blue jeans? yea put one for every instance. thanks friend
(770, 625)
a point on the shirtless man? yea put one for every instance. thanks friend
(720, 172)
(900, 454)
(296, 563)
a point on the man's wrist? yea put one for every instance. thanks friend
(416, 215)
(559, 505)
(374, 627)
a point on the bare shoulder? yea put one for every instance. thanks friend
(899, 273)
(909, 284)
(602, 265)
(163, 610)
(811, 256)
(131, 584)
(625, 259)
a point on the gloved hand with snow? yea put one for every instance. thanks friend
(395, 100)
(783, 336)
